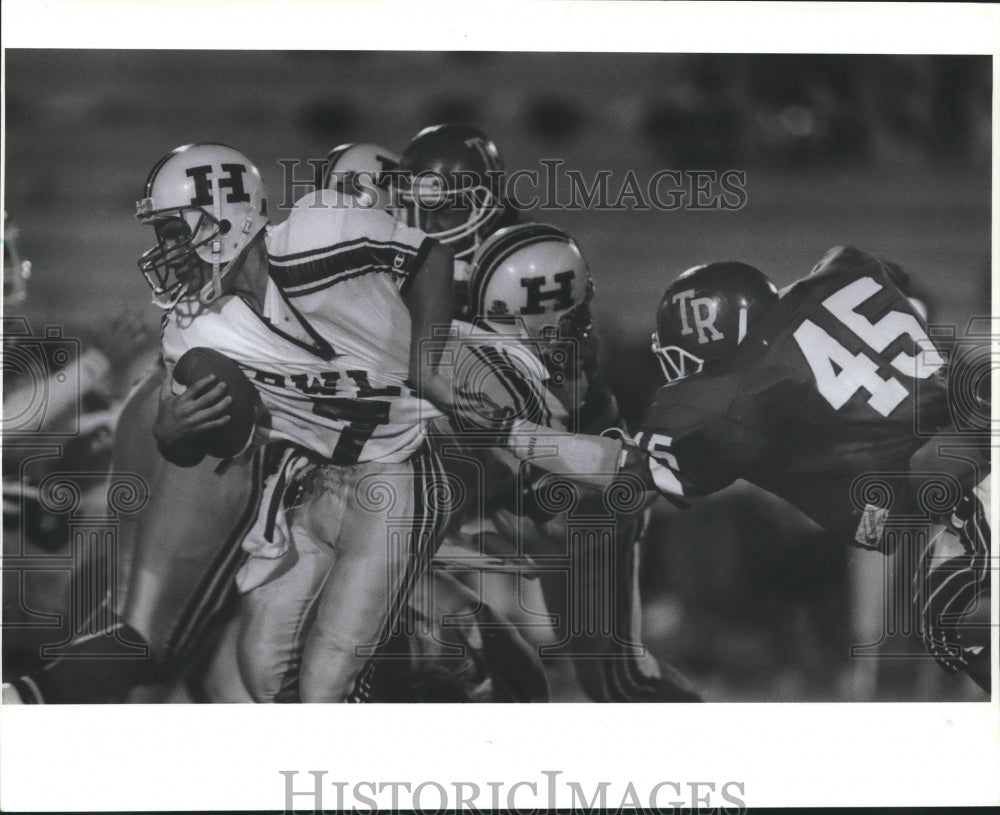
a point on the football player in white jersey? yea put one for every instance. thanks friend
(322, 323)
(441, 661)
(526, 367)
(326, 318)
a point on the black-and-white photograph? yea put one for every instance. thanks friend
(496, 376)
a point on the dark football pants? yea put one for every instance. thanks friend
(609, 657)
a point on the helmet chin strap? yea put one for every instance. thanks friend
(212, 290)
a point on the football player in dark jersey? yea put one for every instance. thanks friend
(450, 183)
(822, 396)
(800, 395)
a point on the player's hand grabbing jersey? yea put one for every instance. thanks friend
(330, 353)
(826, 391)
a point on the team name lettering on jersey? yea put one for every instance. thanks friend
(334, 283)
(326, 383)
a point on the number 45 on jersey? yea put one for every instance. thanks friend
(840, 374)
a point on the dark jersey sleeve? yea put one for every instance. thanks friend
(702, 433)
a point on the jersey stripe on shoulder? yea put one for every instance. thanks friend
(307, 272)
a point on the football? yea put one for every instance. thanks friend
(228, 440)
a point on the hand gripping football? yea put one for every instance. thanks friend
(232, 437)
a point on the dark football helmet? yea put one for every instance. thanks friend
(706, 313)
(450, 184)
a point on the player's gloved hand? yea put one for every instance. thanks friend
(946, 648)
(180, 417)
(633, 458)
(947, 591)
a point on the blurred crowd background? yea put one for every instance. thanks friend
(889, 153)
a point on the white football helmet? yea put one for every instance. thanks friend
(533, 275)
(360, 169)
(206, 203)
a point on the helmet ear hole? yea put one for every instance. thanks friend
(224, 227)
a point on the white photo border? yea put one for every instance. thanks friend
(144, 757)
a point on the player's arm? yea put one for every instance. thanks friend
(598, 461)
(659, 458)
(428, 297)
(595, 461)
(499, 399)
(181, 417)
(591, 460)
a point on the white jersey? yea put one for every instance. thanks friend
(500, 384)
(330, 353)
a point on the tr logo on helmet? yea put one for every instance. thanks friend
(706, 314)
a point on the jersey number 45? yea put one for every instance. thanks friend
(840, 374)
